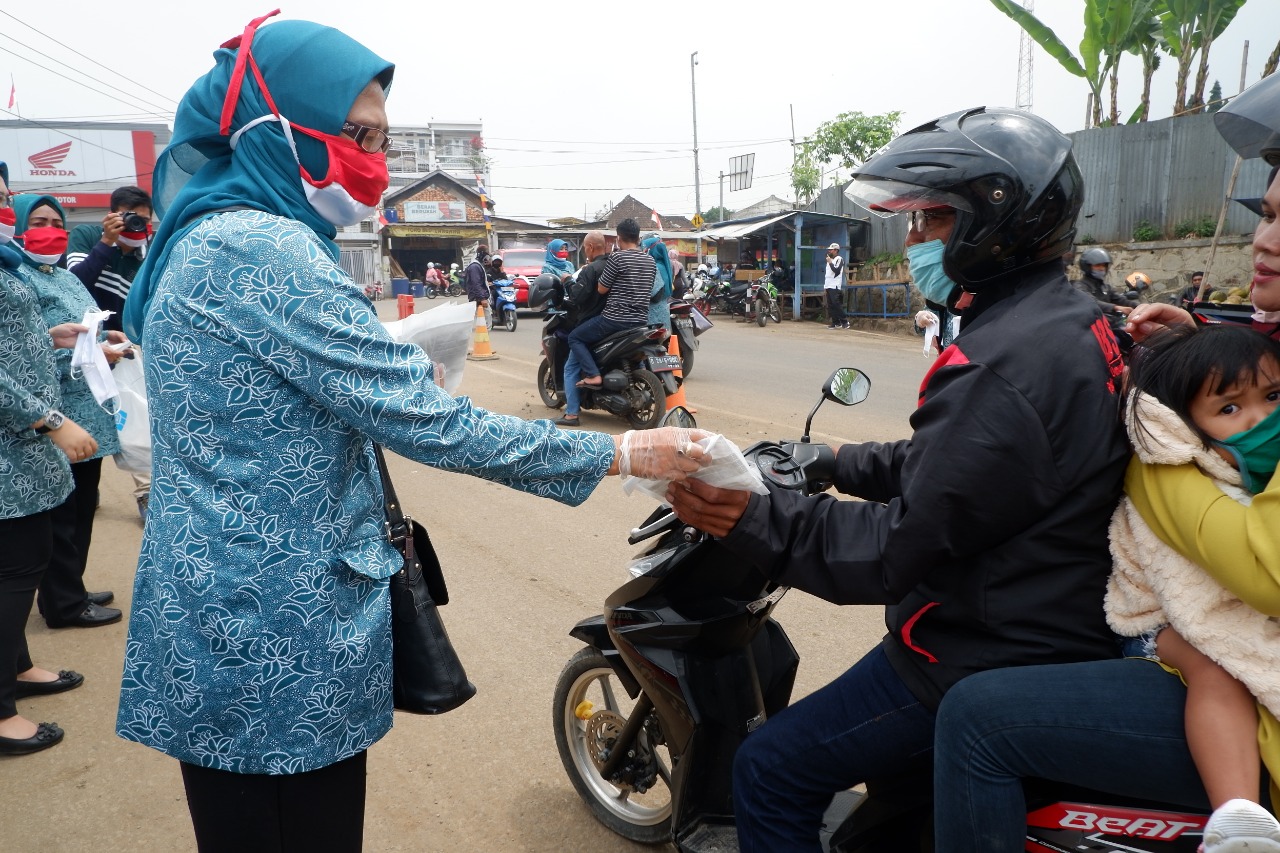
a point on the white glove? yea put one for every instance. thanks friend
(669, 453)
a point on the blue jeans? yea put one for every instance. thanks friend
(864, 725)
(1113, 726)
(572, 373)
(591, 332)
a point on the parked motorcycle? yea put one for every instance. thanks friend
(504, 308)
(687, 332)
(686, 661)
(636, 371)
(762, 301)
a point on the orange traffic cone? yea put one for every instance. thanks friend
(404, 305)
(482, 350)
(677, 399)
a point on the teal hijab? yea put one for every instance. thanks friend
(22, 207)
(313, 74)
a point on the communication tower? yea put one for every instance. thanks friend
(1026, 65)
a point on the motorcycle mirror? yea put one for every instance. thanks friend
(847, 386)
(678, 417)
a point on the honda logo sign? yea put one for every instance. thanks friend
(42, 162)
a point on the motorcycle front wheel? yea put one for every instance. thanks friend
(762, 313)
(775, 312)
(432, 293)
(509, 319)
(648, 400)
(589, 687)
(551, 396)
(686, 358)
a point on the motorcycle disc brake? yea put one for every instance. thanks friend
(603, 730)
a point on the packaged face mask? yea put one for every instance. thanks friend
(91, 362)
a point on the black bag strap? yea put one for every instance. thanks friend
(396, 526)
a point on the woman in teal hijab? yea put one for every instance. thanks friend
(259, 651)
(660, 297)
(63, 598)
(556, 260)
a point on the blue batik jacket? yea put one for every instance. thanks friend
(260, 637)
(34, 475)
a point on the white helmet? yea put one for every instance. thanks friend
(453, 266)
(702, 268)
(430, 265)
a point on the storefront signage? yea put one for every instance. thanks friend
(435, 211)
(50, 156)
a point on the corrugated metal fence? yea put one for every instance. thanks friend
(1165, 173)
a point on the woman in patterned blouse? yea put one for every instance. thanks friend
(259, 648)
(34, 479)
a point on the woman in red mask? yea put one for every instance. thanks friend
(259, 650)
(63, 599)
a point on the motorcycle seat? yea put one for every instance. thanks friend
(625, 333)
(737, 290)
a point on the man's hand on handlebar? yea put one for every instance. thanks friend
(709, 509)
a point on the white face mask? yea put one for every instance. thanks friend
(6, 233)
(91, 362)
(131, 242)
(332, 202)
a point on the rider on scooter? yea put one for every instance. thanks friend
(985, 534)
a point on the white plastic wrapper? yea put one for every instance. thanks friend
(88, 359)
(643, 565)
(928, 321)
(728, 469)
(444, 333)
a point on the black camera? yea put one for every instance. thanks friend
(133, 222)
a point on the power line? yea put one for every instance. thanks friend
(91, 59)
(70, 79)
(680, 142)
(64, 132)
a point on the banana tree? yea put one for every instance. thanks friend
(1148, 43)
(1089, 69)
(1118, 23)
(1190, 28)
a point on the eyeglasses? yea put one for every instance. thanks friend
(371, 139)
(920, 219)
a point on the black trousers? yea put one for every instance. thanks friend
(300, 813)
(25, 546)
(835, 306)
(62, 592)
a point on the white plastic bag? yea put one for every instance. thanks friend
(728, 469)
(131, 417)
(445, 334)
(91, 362)
(928, 321)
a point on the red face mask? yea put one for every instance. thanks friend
(8, 223)
(562, 254)
(45, 245)
(363, 175)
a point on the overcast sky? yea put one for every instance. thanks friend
(585, 102)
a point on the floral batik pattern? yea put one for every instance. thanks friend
(260, 639)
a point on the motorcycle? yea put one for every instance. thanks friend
(686, 660)
(762, 301)
(504, 304)
(636, 370)
(687, 332)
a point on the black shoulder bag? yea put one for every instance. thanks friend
(427, 676)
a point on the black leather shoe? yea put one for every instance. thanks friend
(67, 680)
(91, 617)
(103, 598)
(47, 735)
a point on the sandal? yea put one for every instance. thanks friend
(565, 420)
(585, 384)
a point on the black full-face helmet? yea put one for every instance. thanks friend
(1008, 175)
(1251, 122)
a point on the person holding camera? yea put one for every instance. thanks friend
(106, 257)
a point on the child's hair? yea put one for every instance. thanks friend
(1174, 364)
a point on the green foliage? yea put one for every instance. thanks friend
(718, 214)
(1202, 227)
(1086, 240)
(886, 259)
(1145, 232)
(847, 140)
(1215, 97)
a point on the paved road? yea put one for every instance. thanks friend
(522, 571)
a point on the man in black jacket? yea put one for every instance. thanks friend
(583, 300)
(985, 533)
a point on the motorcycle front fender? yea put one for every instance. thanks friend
(595, 634)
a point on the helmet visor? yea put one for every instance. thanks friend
(888, 197)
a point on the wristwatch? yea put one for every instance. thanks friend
(53, 419)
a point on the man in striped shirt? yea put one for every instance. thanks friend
(627, 281)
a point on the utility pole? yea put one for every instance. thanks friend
(721, 219)
(1244, 65)
(697, 180)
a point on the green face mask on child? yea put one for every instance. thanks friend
(1256, 451)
